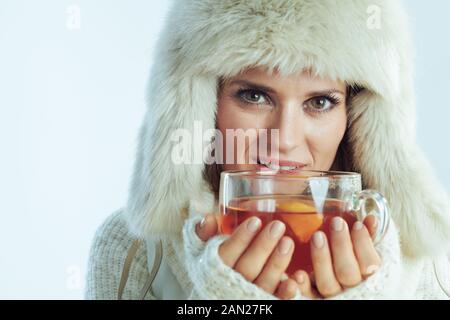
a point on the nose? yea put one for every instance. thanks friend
(293, 143)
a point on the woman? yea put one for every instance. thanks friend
(335, 79)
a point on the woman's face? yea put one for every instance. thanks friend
(309, 113)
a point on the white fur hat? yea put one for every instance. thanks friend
(364, 42)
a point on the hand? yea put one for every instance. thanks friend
(348, 260)
(260, 256)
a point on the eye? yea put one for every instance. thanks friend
(252, 96)
(322, 103)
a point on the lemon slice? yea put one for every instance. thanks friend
(302, 219)
(296, 206)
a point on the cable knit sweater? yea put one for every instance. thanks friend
(201, 274)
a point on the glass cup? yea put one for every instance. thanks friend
(306, 201)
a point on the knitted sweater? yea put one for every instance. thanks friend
(201, 274)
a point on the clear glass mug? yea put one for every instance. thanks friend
(305, 201)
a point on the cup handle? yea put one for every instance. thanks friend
(362, 208)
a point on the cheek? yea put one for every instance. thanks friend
(324, 138)
(232, 116)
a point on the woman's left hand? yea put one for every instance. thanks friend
(341, 262)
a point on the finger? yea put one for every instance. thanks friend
(206, 228)
(371, 224)
(368, 258)
(304, 284)
(232, 248)
(346, 267)
(286, 290)
(251, 263)
(326, 282)
(270, 276)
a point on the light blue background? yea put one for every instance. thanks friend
(71, 102)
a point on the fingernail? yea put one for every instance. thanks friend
(284, 246)
(357, 225)
(371, 269)
(337, 224)
(318, 240)
(300, 278)
(253, 224)
(202, 222)
(277, 229)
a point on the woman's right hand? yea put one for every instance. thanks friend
(260, 256)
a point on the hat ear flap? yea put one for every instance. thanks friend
(386, 155)
(161, 187)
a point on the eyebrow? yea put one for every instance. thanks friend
(261, 87)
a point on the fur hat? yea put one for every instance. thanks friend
(362, 42)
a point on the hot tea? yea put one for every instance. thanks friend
(300, 214)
